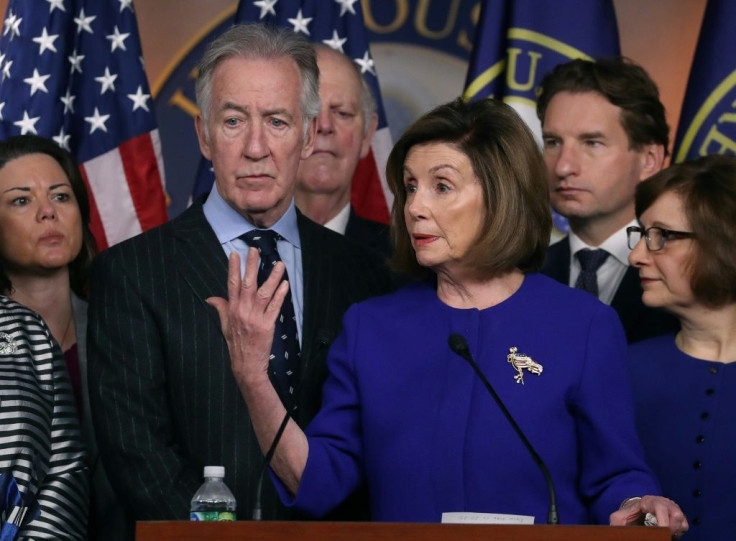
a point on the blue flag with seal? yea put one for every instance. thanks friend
(339, 25)
(518, 41)
(708, 119)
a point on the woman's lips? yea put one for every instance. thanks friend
(423, 240)
(51, 237)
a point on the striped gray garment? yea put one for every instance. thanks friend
(40, 442)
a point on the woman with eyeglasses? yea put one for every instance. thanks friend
(685, 383)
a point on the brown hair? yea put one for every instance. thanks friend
(23, 145)
(707, 187)
(624, 84)
(507, 161)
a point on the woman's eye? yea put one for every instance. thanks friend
(19, 201)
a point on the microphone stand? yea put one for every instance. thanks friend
(459, 345)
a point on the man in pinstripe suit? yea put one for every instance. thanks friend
(164, 400)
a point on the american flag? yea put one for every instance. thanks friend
(72, 71)
(338, 24)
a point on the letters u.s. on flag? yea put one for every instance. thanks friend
(338, 24)
(72, 70)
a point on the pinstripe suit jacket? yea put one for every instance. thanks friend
(164, 401)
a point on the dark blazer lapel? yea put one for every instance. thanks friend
(315, 269)
(199, 256)
(627, 300)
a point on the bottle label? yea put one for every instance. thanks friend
(212, 516)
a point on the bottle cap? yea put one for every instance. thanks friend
(214, 471)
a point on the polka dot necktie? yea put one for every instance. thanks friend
(590, 262)
(285, 355)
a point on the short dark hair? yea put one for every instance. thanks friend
(23, 145)
(707, 187)
(509, 164)
(624, 84)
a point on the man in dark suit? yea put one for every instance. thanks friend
(604, 131)
(164, 400)
(345, 126)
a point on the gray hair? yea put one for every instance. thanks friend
(367, 100)
(253, 41)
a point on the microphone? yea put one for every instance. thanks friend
(257, 512)
(459, 345)
(324, 339)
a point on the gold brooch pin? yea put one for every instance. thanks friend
(7, 344)
(520, 362)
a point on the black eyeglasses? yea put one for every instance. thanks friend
(655, 237)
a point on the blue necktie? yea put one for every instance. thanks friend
(285, 355)
(590, 262)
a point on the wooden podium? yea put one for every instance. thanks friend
(383, 531)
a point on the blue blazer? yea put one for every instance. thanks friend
(410, 417)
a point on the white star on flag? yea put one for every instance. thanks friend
(45, 42)
(6, 69)
(336, 42)
(107, 81)
(366, 63)
(345, 6)
(9, 22)
(27, 124)
(62, 139)
(139, 99)
(97, 121)
(83, 22)
(300, 23)
(56, 4)
(68, 101)
(2, 106)
(14, 26)
(266, 7)
(117, 40)
(76, 62)
(37, 82)
(126, 4)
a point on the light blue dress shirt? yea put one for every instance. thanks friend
(229, 225)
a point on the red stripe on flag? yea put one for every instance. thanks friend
(144, 180)
(366, 193)
(95, 223)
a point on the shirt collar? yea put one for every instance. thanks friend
(228, 224)
(616, 244)
(340, 222)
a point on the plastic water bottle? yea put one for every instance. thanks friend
(213, 501)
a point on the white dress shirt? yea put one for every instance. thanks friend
(613, 269)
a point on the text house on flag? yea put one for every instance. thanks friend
(338, 24)
(72, 70)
